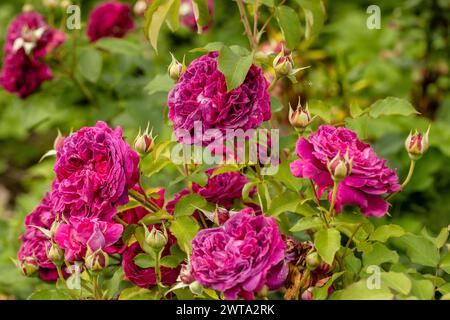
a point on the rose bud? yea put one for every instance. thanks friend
(140, 7)
(219, 216)
(144, 143)
(196, 287)
(27, 7)
(55, 253)
(65, 4)
(308, 294)
(340, 168)
(417, 144)
(96, 261)
(300, 119)
(313, 260)
(50, 3)
(283, 64)
(28, 266)
(175, 69)
(156, 239)
(185, 274)
(59, 141)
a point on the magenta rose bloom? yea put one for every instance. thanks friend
(187, 17)
(370, 178)
(146, 277)
(28, 39)
(240, 257)
(201, 96)
(86, 233)
(43, 216)
(109, 19)
(94, 170)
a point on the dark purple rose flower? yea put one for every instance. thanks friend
(109, 19)
(146, 277)
(43, 216)
(187, 16)
(222, 189)
(28, 39)
(369, 179)
(240, 257)
(201, 96)
(94, 170)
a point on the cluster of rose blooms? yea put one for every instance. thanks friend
(30, 39)
(239, 252)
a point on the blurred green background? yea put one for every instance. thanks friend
(350, 65)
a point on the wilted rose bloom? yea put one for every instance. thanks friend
(222, 189)
(187, 17)
(28, 39)
(370, 178)
(146, 277)
(200, 97)
(82, 234)
(94, 170)
(132, 216)
(240, 257)
(109, 19)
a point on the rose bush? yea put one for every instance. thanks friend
(335, 189)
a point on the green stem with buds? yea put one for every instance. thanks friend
(141, 199)
(246, 23)
(410, 173)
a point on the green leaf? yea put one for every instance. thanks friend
(154, 18)
(422, 289)
(90, 64)
(314, 15)
(391, 106)
(119, 46)
(188, 204)
(360, 291)
(223, 169)
(201, 13)
(212, 46)
(136, 293)
(445, 263)
(173, 20)
(51, 294)
(184, 229)
(319, 108)
(420, 250)
(290, 26)
(307, 223)
(378, 255)
(160, 83)
(327, 243)
(269, 3)
(144, 260)
(441, 238)
(287, 201)
(383, 233)
(396, 281)
(233, 67)
(171, 261)
(276, 105)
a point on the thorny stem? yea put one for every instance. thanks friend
(261, 31)
(350, 239)
(245, 22)
(140, 198)
(273, 83)
(333, 198)
(60, 274)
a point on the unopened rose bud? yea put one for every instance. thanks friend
(27, 7)
(59, 141)
(55, 253)
(144, 143)
(313, 260)
(156, 239)
(417, 144)
(219, 216)
(308, 294)
(175, 69)
(50, 3)
(283, 64)
(140, 7)
(196, 287)
(65, 4)
(96, 261)
(300, 118)
(186, 275)
(29, 266)
(340, 168)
